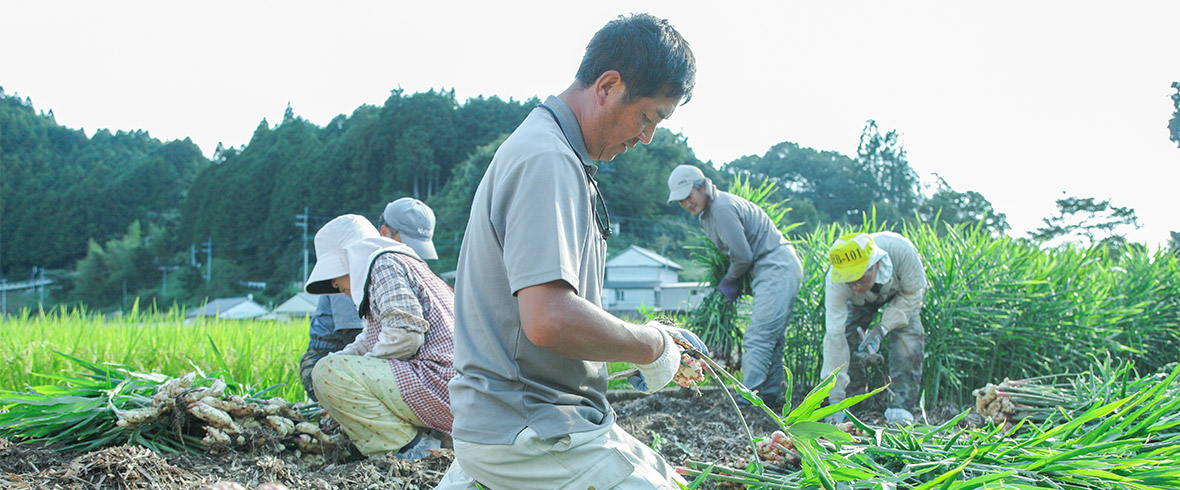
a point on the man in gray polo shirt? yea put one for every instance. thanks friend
(741, 230)
(531, 339)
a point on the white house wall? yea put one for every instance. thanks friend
(628, 274)
(648, 274)
(634, 298)
(631, 269)
(682, 299)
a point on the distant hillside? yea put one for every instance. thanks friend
(246, 203)
(121, 210)
(59, 188)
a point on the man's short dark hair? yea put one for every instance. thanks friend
(650, 55)
(382, 223)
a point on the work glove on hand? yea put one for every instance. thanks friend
(652, 377)
(660, 372)
(685, 335)
(691, 369)
(729, 289)
(870, 341)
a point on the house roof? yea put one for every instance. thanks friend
(221, 305)
(300, 303)
(645, 255)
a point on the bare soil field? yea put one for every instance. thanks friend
(681, 424)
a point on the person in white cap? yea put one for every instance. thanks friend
(532, 341)
(870, 272)
(757, 249)
(335, 322)
(387, 389)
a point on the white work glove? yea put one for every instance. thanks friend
(659, 373)
(673, 364)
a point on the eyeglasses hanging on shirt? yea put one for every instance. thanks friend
(604, 228)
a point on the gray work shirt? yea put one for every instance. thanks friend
(531, 223)
(333, 313)
(739, 229)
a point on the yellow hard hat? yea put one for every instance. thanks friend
(850, 256)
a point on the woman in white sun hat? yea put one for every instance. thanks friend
(387, 389)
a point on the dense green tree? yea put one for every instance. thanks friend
(827, 186)
(244, 201)
(1086, 221)
(883, 157)
(409, 146)
(803, 214)
(191, 280)
(268, 182)
(948, 207)
(121, 264)
(452, 204)
(480, 120)
(422, 140)
(56, 180)
(831, 182)
(635, 186)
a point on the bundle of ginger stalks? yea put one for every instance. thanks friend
(109, 405)
(1034, 399)
(1061, 397)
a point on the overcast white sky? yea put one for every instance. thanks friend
(1024, 102)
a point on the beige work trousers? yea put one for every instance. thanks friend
(602, 459)
(361, 393)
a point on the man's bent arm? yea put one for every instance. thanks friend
(554, 317)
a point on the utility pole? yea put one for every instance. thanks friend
(192, 254)
(302, 223)
(207, 247)
(165, 269)
(3, 296)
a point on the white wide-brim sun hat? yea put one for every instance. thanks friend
(330, 249)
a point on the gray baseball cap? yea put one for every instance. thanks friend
(414, 222)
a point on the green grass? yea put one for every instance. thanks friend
(998, 307)
(256, 353)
